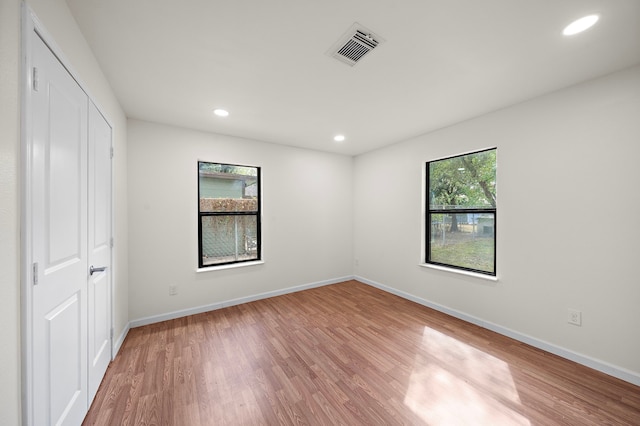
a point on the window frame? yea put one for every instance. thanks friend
(257, 213)
(429, 212)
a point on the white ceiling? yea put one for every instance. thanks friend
(443, 61)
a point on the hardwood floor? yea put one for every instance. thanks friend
(347, 354)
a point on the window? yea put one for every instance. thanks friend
(228, 214)
(461, 212)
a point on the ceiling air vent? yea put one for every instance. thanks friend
(354, 45)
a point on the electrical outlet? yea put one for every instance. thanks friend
(574, 317)
(173, 290)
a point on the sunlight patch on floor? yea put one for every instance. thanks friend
(453, 383)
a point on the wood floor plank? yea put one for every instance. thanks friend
(347, 354)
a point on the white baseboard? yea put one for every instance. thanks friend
(219, 305)
(604, 367)
(118, 343)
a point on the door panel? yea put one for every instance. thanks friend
(65, 354)
(64, 171)
(99, 248)
(59, 231)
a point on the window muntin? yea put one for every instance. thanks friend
(228, 214)
(461, 212)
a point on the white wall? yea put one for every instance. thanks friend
(567, 225)
(9, 211)
(57, 20)
(307, 218)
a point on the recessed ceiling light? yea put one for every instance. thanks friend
(221, 112)
(338, 138)
(580, 25)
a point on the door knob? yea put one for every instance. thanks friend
(92, 269)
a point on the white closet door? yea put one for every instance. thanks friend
(59, 246)
(99, 287)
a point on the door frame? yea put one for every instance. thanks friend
(32, 27)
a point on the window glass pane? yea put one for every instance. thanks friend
(467, 181)
(228, 188)
(463, 240)
(229, 238)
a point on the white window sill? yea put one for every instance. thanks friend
(460, 272)
(230, 266)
